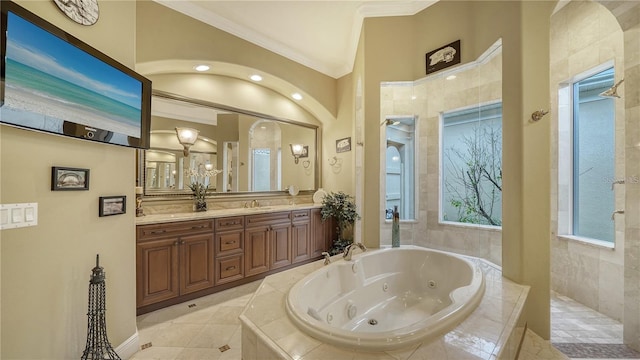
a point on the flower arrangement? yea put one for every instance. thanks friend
(199, 194)
(341, 207)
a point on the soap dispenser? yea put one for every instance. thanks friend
(395, 228)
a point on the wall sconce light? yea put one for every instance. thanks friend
(297, 151)
(187, 137)
(389, 122)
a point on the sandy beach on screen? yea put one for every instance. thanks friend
(19, 99)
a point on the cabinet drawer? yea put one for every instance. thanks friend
(230, 223)
(229, 268)
(268, 219)
(300, 215)
(154, 231)
(232, 241)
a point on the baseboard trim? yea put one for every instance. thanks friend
(129, 346)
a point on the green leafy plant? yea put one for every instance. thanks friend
(342, 208)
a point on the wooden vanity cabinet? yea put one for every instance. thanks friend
(229, 254)
(268, 242)
(173, 259)
(301, 235)
(184, 260)
(321, 233)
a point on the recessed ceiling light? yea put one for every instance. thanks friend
(201, 67)
(450, 77)
(256, 77)
(296, 96)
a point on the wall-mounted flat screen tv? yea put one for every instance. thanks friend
(53, 82)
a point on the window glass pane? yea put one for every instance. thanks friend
(261, 169)
(400, 168)
(593, 157)
(472, 165)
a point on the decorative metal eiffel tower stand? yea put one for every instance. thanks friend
(98, 346)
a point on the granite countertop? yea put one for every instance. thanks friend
(217, 213)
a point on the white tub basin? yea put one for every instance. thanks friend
(386, 299)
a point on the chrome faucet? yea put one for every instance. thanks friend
(348, 251)
(255, 204)
(327, 258)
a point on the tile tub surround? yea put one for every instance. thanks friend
(210, 214)
(268, 333)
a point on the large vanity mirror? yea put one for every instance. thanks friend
(235, 152)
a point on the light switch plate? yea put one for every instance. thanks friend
(18, 215)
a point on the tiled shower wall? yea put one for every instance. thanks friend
(584, 35)
(427, 98)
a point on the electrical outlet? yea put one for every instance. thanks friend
(18, 215)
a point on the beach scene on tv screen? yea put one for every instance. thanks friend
(49, 81)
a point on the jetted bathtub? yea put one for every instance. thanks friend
(386, 299)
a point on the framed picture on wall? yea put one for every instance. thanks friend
(343, 145)
(443, 57)
(66, 178)
(112, 205)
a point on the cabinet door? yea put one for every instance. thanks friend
(319, 236)
(256, 242)
(300, 240)
(280, 236)
(196, 263)
(157, 271)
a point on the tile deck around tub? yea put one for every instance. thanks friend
(488, 333)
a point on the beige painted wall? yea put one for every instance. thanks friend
(166, 34)
(46, 268)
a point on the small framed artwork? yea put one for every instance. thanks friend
(112, 205)
(65, 178)
(343, 145)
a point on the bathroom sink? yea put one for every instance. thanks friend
(260, 208)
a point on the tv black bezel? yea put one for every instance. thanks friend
(145, 121)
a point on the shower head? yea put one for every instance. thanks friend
(612, 92)
(389, 122)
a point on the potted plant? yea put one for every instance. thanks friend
(199, 194)
(342, 208)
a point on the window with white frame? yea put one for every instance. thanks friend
(471, 165)
(400, 169)
(593, 157)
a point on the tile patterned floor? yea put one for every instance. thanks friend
(188, 332)
(572, 322)
(583, 333)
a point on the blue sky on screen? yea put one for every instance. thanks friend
(37, 48)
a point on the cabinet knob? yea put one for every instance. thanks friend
(181, 242)
(175, 243)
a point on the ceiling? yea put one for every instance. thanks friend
(320, 34)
